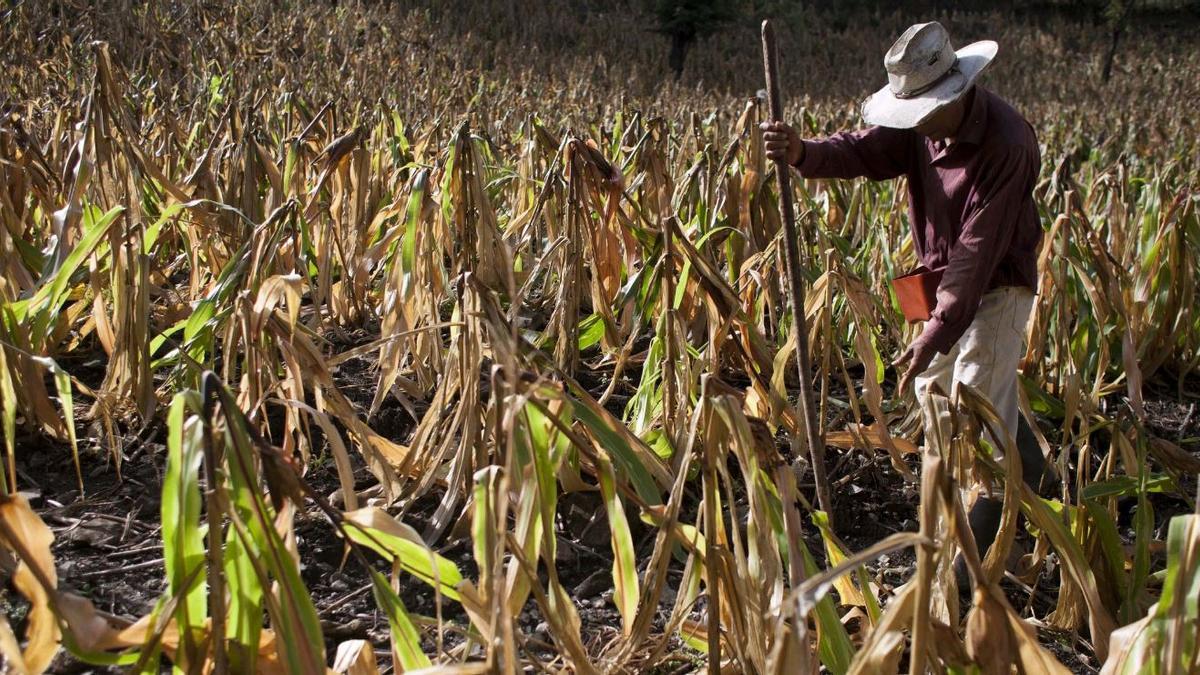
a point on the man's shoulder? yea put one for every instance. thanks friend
(1008, 130)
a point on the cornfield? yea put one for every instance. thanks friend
(494, 305)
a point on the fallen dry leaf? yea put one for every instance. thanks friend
(849, 440)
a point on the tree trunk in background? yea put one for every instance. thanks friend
(1118, 14)
(1112, 53)
(680, 42)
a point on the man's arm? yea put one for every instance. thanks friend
(877, 153)
(984, 239)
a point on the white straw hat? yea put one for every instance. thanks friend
(924, 74)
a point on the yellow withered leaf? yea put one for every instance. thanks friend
(989, 638)
(24, 533)
(355, 657)
(10, 649)
(393, 452)
(870, 433)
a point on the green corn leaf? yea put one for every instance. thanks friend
(183, 534)
(52, 290)
(294, 617)
(8, 410)
(204, 311)
(591, 330)
(482, 531)
(405, 639)
(834, 647)
(245, 610)
(374, 528)
(626, 458)
(1178, 612)
(625, 579)
(1110, 544)
(155, 230)
(1126, 486)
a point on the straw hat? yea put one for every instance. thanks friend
(924, 74)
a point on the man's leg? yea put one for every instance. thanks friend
(989, 352)
(941, 372)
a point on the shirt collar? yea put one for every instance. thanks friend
(971, 131)
(975, 123)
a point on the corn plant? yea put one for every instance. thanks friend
(566, 298)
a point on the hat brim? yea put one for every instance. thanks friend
(885, 109)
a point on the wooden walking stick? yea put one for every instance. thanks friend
(811, 437)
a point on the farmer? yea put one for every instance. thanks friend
(971, 161)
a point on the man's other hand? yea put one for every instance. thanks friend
(782, 143)
(917, 356)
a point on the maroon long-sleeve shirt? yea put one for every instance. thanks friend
(970, 202)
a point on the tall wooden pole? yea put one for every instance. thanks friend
(791, 247)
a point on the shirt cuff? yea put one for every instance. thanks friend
(812, 157)
(939, 336)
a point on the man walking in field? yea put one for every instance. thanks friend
(971, 161)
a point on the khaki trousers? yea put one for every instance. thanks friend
(986, 356)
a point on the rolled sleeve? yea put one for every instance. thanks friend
(986, 235)
(877, 153)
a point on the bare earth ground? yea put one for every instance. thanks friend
(108, 545)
